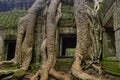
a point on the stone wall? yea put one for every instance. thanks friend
(112, 13)
(116, 16)
(1, 47)
(6, 34)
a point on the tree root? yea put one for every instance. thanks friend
(98, 68)
(95, 66)
(59, 75)
(10, 74)
(79, 73)
(7, 62)
(53, 73)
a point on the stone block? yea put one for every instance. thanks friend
(1, 47)
(117, 35)
(118, 50)
(116, 17)
(67, 30)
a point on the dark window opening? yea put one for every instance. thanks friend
(90, 1)
(110, 42)
(67, 45)
(67, 2)
(10, 49)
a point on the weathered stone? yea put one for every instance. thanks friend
(67, 30)
(108, 45)
(118, 50)
(116, 16)
(66, 23)
(67, 16)
(67, 8)
(1, 47)
(117, 35)
(66, 64)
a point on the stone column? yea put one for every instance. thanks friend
(1, 47)
(116, 17)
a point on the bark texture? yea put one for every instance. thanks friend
(83, 41)
(24, 46)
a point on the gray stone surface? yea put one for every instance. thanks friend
(117, 35)
(67, 30)
(1, 47)
(116, 15)
(118, 50)
(6, 34)
(108, 45)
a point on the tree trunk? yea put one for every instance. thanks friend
(83, 40)
(24, 44)
(51, 29)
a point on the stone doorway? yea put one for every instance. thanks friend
(67, 45)
(109, 43)
(10, 49)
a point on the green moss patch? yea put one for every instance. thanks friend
(35, 67)
(67, 8)
(10, 19)
(111, 67)
(19, 73)
(64, 64)
(67, 19)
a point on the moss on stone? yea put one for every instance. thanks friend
(35, 67)
(17, 75)
(66, 23)
(67, 16)
(67, 8)
(111, 67)
(64, 64)
(10, 19)
(67, 19)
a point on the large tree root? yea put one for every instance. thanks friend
(11, 62)
(53, 73)
(83, 42)
(11, 74)
(51, 31)
(79, 73)
(97, 68)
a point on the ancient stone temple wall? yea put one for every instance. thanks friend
(6, 36)
(117, 27)
(1, 47)
(111, 38)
